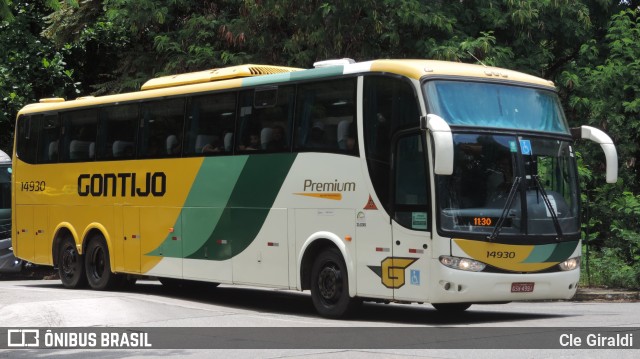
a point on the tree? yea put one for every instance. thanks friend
(7, 15)
(30, 67)
(607, 95)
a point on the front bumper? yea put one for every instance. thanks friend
(456, 286)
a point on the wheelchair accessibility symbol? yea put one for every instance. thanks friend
(415, 277)
(525, 147)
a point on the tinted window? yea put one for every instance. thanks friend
(27, 133)
(325, 116)
(79, 135)
(210, 123)
(160, 131)
(49, 139)
(118, 129)
(411, 184)
(265, 119)
(389, 105)
(496, 105)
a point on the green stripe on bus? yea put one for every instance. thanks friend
(266, 80)
(209, 194)
(293, 76)
(317, 73)
(540, 253)
(563, 251)
(551, 252)
(248, 207)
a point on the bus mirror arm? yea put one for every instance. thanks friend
(442, 144)
(609, 149)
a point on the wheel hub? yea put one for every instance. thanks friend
(68, 261)
(329, 283)
(98, 263)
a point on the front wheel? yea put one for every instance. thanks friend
(97, 264)
(330, 285)
(71, 265)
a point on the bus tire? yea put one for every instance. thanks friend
(451, 307)
(97, 265)
(330, 285)
(71, 265)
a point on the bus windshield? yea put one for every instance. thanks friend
(528, 184)
(496, 105)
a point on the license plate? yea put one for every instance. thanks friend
(523, 287)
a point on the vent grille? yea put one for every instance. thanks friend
(215, 75)
(268, 70)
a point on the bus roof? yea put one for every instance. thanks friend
(257, 75)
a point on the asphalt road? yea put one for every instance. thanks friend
(44, 303)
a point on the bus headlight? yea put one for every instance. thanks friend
(570, 264)
(465, 264)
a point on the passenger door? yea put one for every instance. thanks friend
(411, 224)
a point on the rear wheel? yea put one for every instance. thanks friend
(330, 285)
(451, 307)
(71, 265)
(97, 265)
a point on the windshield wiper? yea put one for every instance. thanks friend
(505, 210)
(547, 202)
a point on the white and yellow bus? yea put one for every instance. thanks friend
(392, 180)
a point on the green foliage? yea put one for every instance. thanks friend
(602, 89)
(30, 66)
(614, 257)
(606, 268)
(7, 15)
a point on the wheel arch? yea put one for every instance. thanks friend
(312, 247)
(62, 231)
(91, 231)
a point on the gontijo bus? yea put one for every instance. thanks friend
(392, 180)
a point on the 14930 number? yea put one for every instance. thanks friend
(501, 254)
(33, 186)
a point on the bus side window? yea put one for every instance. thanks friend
(322, 107)
(118, 129)
(161, 125)
(27, 132)
(49, 139)
(389, 104)
(265, 119)
(210, 122)
(348, 136)
(79, 135)
(411, 184)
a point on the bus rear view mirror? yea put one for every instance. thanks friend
(442, 143)
(609, 149)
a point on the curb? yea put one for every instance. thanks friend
(608, 295)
